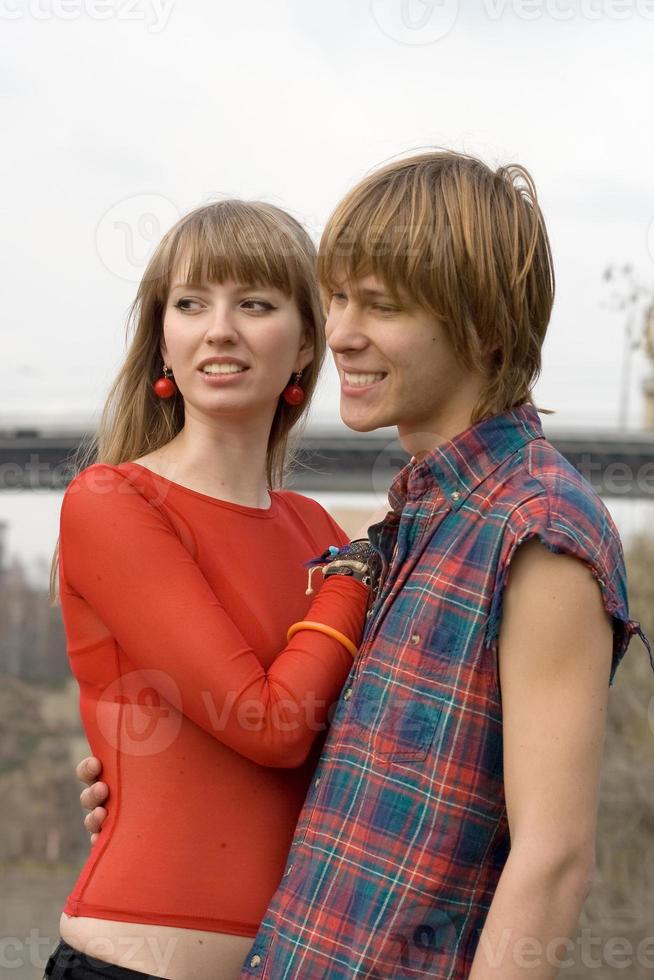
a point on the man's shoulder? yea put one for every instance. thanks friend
(565, 511)
(563, 492)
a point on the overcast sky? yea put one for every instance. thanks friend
(120, 115)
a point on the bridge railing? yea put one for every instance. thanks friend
(617, 464)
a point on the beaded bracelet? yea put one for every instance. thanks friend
(358, 559)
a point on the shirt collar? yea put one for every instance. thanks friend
(459, 465)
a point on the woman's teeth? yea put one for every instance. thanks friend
(359, 380)
(222, 369)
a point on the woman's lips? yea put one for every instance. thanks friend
(217, 380)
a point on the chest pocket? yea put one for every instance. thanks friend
(400, 703)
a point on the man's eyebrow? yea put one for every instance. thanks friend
(375, 293)
(366, 291)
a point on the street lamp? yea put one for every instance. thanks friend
(628, 300)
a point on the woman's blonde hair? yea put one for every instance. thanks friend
(467, 244)
(245, 241)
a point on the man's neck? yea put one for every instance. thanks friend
(419, 442)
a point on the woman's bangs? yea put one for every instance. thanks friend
(246, 252)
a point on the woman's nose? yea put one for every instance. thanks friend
(222, 325)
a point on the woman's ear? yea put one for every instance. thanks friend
(305, 354)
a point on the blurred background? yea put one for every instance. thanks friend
(119, 116)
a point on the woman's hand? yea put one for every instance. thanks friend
(88, 771)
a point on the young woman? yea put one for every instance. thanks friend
(206, 672)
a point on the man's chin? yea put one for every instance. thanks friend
(359, 422)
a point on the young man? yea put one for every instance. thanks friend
(449, 831)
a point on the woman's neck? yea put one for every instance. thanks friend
(228, 462)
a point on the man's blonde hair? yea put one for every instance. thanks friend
(467, 244)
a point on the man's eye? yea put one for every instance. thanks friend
(339, 297)
(385, 309)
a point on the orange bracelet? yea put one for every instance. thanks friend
(323, 628)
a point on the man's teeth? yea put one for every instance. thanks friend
(222, 369)
(359, 380)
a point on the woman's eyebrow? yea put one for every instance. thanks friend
(237, 287)
(188, 285)
(255, 285)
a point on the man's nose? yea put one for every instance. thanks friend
(344, 330)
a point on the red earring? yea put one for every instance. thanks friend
(165, 387)
(294, 394)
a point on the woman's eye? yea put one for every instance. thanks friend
(181, 304)
(385, 309)
(258, 305)
(339, 297)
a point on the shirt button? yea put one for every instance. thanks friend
(415, 637)
(255, 961)
(288, 871)
(456, 495)
(316, 781)
(348, 694)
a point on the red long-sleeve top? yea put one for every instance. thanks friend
(208, 722)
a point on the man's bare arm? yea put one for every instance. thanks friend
(555, 649)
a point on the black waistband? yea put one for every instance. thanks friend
(68, 962)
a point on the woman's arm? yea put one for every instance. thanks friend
(120, 554)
